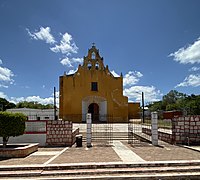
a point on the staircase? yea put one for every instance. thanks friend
(111, 132)
(116, 170)
(108, 136)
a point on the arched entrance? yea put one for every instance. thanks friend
(101, 107)
(94, 110)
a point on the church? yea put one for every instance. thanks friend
(93, 89)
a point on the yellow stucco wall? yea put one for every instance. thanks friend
(133, 110)
(76, 94)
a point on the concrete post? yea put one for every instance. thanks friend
(154, 128)
(130, 133)
(89, 129)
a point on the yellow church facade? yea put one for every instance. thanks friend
(93, 89)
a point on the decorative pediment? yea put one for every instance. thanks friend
(93, 61)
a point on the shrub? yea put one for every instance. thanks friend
(11, 124)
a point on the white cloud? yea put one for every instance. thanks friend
(69, 61)
(66, 61)
(2, 95)
(4, 86)
(191, 80)
(66, 46)
(194, 68)
(131, 78)
(47, 100)
(151, 94)
(77, 60)
(72, 71)
(43, 34)
(189, 54)
(115, 74)
(16, 99)
(5, 76)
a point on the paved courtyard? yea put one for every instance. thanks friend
(120, 151)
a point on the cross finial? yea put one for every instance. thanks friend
(93, 44)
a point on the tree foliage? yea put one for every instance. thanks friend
(34, 105)
(11, 124)
(175, 100)
(173, 96)
(4, 104)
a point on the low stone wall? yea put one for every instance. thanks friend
(161, 135)
(146, 131)
(59, 133)
(186, 130)
(165, 137)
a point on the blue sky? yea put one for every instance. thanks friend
(155, 45)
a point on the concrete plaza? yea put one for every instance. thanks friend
(141, 152)
(118, 152)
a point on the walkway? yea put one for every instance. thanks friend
(125, 153)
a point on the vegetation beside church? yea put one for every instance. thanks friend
(4, 104)
(34, 105)
(175, 100)
(11, 124)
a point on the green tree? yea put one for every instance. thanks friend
(33, 105)
(175, 100)
(192, 104)
(172, 107)
(156, 106)
(4, 104)
(173, 96)
(11, 124)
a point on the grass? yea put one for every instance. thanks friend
(161, 123)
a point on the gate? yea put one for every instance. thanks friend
(107, 132)
(102, 130)
(134, 131)
(135, 135)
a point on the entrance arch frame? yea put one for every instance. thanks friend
(100, 101)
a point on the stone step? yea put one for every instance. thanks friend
(110, 139)
(141, 170)
(136, 171)
(94, 140)
(118, 135)
(103, 165)
(125, 138)
(158, 176)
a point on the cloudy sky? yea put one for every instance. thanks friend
(155, 45)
